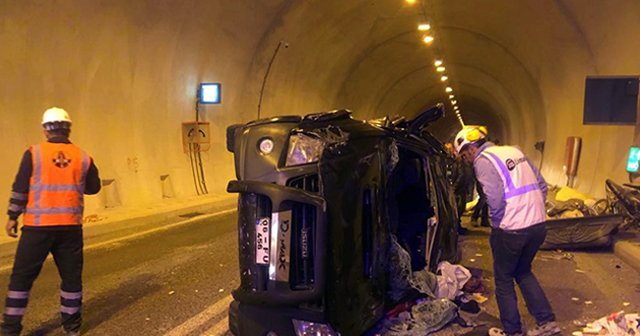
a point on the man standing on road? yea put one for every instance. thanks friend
(515, 193)
(49, 191)
(463, 181)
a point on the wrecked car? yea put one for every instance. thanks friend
(320, 198)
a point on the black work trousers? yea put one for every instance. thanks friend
(513, 253)
(33, 248)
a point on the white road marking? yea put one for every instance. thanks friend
(204, 316)
(143, 233)
(219, 328)
(158, 229)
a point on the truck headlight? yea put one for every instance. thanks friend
(303, 149)
(306, 328)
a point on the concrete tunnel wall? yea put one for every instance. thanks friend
(127, 72)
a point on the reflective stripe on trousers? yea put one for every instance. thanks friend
(16, 303)
(70, 302)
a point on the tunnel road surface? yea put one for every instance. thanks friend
(581, 286)
(177, 281)
(168, 282)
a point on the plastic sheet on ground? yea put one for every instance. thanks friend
(451, 280)
(424, 318)
(580, 232)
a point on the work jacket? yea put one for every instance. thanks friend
(50, 185)
(514, 188)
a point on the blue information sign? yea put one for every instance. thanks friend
(632, 162)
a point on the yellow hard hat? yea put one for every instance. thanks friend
(468, 135)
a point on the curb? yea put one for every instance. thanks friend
(629, 252)
(122, 223)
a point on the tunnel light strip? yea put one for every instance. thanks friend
(424, 25)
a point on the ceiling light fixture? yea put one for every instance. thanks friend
(440, 69)
(428, 39)
(424, 27)
(438, 63)
(451, 96)
(444, 78)
(448, 89)
(454, 102)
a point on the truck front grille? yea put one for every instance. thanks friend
(306, 182)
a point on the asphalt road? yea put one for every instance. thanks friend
(581, 286)
(177, 281)
(169, 282)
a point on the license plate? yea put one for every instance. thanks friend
(262, 241)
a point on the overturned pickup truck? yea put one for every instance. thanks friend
(320, 197)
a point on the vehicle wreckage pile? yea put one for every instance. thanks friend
(576, 220)
(426, 301)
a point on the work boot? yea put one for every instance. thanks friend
(546, 329)
(499, 332)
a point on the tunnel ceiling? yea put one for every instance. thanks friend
(370, 57)
(516, 66)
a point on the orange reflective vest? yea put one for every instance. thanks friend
(56, 188)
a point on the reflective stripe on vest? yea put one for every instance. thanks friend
(56, 190)
(522, 194)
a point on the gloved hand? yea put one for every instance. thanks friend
(12, 228)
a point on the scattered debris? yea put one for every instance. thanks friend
(172, 292)
(402, 280)
(478, 254)
(220, 290)
(626, 303)
(557, 255)
(588, 302)
(479, 297)
(467, 304)
(474, 285)
(451, 280)
(613, 324)
(92, 218)
(580, 271)
(423, 318)
(575, 299)
(579, 323)
(472, 260)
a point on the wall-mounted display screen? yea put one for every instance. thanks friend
(632, 161)
(610, 100)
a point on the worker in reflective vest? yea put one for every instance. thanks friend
(49, 192)
(516, 194)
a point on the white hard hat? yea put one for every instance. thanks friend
(55, 114)
(469, 135)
